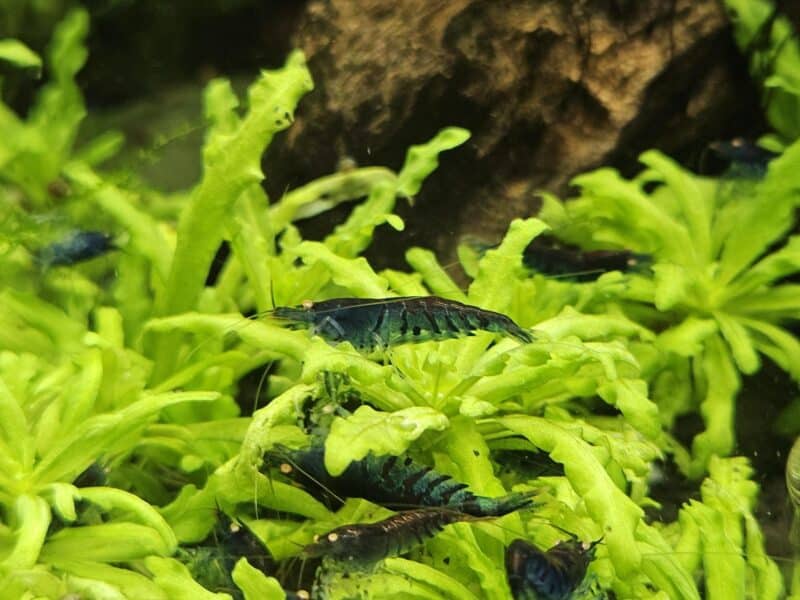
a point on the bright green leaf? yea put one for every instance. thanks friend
(19, 55)
(422, 160)
(367, 430)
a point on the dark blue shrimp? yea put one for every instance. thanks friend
(211, 562)
(366, 543)
(371, 323)
(742, 158)
(77, 247)
(95, 474)
(552, 575)
(392, 481)
(549, 256)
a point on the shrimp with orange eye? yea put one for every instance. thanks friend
(392, 481)
(375, 323)
(367, 543)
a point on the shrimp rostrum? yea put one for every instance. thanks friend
(376, 323)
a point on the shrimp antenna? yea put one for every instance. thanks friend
(261, 381)
(300, 572)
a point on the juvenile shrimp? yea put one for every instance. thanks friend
(743, 156)
(552, 575)
(392, 481)
(366, 543)
(371, 323)
(549, 256)
(77, 247)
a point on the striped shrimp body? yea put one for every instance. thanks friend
(372, 323)
(368, 543)
(552, 575)
(392, 481)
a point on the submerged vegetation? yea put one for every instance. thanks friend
(130, 445)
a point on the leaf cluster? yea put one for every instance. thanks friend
(137, 362)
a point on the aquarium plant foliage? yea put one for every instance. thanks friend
(128, 431)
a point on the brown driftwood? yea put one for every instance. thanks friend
(549, 89)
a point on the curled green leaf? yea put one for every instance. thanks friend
(368, 430)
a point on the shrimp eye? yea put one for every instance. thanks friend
(416, 331)
(285, 468)
(307, 304)
(332, 537)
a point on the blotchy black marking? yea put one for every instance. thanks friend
(379, 321)
(434, 483)
(409, 482)
(448, 493)
(388, 466)
(450, 323)
(432, 321)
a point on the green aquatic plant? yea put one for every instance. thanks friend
(36, 149)
(773, 49)
(716, 296)
(18, 54)
(138, 362)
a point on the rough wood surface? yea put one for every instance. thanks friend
(549, 88)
